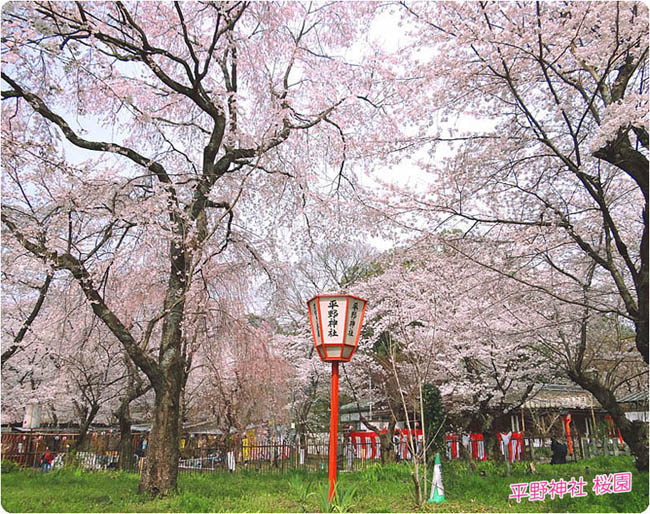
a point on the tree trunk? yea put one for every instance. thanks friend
(491, 445)
(302, 437)
(466, 452)
(135, 389)
(634, 433)
(418, 489)
(160, 470)
(386, 443)
(85, 425)
(532, 449)
(127, 457)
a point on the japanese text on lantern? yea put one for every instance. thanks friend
(353, 318)
(332, 317)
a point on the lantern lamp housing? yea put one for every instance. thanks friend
(336, 325)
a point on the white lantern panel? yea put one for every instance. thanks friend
(332, 311)
(355, 308)
(315, 321)
(347, 351)
(321, 352)
(333, 351)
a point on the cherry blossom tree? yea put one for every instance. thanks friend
(101, 381)
(563, 163)
(244, 379)
(167, 136)
(534, 118)
(68, 363)
(33, 376)
(308, 384)
(559, 160)
(327, 266)
(438, 318)
(595, 350)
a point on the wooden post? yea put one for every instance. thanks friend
(532, 449)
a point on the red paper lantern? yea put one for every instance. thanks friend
(336, 325)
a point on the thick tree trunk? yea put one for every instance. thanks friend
(161, 464)
(127, 455)
(160, 470)
(642, 336)
(635, 434)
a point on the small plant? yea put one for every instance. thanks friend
(323, 500)
(300, 491)
(521, 467)
(489, 467)
(371, 473)
(342, 501)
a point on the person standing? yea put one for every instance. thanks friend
(349, 449)
(397, 440)
(46, 460)
(559, 451)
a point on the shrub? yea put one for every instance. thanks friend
(9, 466)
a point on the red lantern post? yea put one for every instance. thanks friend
(336, 327)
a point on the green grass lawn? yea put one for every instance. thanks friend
(374, 489)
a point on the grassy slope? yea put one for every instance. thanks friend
(378, 490)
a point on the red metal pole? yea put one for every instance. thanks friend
(334, 425)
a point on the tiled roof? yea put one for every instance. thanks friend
(562, 396)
